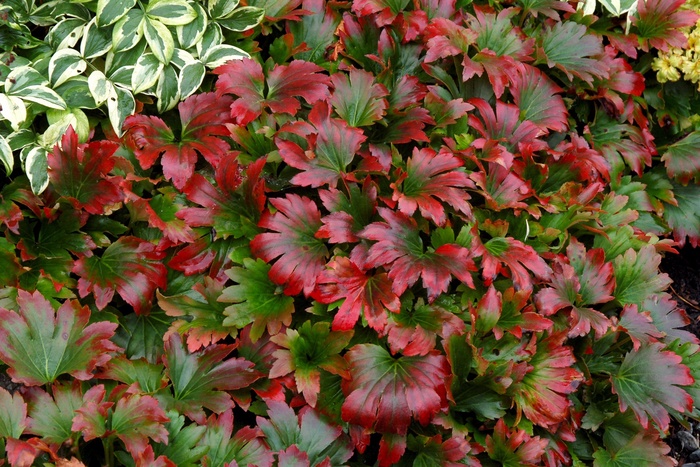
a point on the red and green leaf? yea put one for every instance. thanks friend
(357, 98)
(682, 160)
(136, 419)
(245, 447)
(203, 119)
(66, 343)
(305, 351)
(536, 97)
(308, 432)
(514, 448)
(659, 22)
(569, 47)
(399, 248)
(284, 85)
(201, 379)
(684, 216)
(430, 181)
(256, 299)
(13, 414)
(301, 256)
(637, 277)
(386, 393)
(51, 416)
(648, 382)
(130, 266)
(79, 172)
(327, 159)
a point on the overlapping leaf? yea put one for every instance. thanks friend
(67, 343)
(202, 118)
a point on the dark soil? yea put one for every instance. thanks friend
(684, 269)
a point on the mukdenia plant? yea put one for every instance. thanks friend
(398, 233)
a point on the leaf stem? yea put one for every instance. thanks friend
(108, 446)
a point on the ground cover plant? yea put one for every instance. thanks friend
(311, 233)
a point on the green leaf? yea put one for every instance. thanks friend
(96, 42)
(147, 70)
(684, 218)
(111, 11)
(571, 48)
(167, 90)
(220, 54)
(159, 39)
(13, 414)
(65, 343)
(190, 79)
(36, 167)
(182, 448)
(76, 93)
(142, 335)
(6, 156)
(256, 300)
(128, 31)
(52, 417)
(120, 106)
(171, 12)
(64, 65)
(243, 19)
(189, 34)
(649, 381)
(643, 449)
(637, 276)
(212, 37)
(619, 7)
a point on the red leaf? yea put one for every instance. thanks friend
(400, 249)
(130, 266)
(203, 118)
(91, 418)
(364, 294)
(430, 178)
(64, 342)
(639, 326)
(79, 172)
(668, 318)
(20, 453)
(135, 419)
(301, 255)
(514, 447)
(391, 448)
(284, 84)
(386, 393)
(330, 151)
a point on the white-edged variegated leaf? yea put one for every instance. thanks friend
(243, 19)
(120, 106)
(36, 167)
(65, 33)
(6, 156)
(189, 34)
(191, 77)
(59, 120)
(42, 95)
(111, 11)
(146, 73)
(159, 40)
(13, 110)
(211, 38)
(167, 90)
(181, 58)
(64, 65)
(128, 31)
(96, 42)
(220, 54)
(122, 76)
(23, 77)
(219, 9)
(618, 7)
(171, 12)
(99, 86)
(21, 139)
